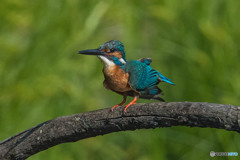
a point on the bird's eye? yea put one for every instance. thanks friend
(112, 50)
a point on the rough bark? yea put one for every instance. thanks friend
(90, 124)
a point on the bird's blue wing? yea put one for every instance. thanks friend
(143, 77)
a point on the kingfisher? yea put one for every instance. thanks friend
(134, 78)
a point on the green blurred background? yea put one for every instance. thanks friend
(195, 43)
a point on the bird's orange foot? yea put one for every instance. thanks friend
(128, 105)
(124, 100)
(115, 107)
(131, 103)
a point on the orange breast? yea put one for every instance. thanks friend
(116, 79)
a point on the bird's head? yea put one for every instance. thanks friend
(110, 53)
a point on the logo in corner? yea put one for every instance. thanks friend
(212, 153)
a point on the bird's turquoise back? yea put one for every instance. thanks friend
(143, 78)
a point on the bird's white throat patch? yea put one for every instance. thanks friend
(107, 62)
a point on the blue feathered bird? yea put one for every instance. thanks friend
(135, 78)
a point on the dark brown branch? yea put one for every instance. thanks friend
(90, 124)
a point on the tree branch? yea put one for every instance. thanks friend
(90, 124)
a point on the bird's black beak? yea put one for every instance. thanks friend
(92, 52)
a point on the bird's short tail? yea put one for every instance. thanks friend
(165, 79)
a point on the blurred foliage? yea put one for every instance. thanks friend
(195, 43)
